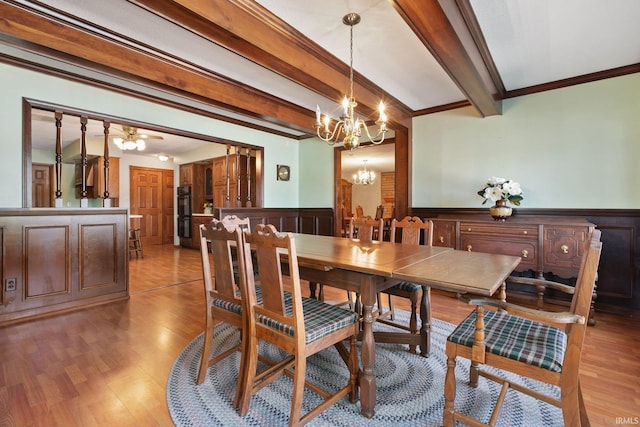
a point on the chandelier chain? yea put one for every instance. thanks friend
(348, 127)
(351, 63)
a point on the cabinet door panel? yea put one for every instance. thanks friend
(564, 247)
(444, 234)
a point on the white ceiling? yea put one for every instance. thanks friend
(531, 42)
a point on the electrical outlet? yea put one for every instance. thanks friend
(10, 284)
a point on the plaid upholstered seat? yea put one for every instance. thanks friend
(517, 338)
(233, 307)
(408, 287)
(320, 319)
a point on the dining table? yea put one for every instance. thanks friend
(368, 268)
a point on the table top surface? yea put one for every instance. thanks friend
(445, 268)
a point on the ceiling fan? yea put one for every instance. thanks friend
(133, 140)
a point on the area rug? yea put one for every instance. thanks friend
(409, 389)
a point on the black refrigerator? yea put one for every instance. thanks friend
(184, 211)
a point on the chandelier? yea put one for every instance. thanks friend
(349, 125)
(130, 143)
(364, 176)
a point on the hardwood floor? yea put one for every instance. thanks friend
(108, 365)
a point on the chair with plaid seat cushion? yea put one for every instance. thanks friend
(412, 231)
(219, 244)
(527, 342)
(299, 326)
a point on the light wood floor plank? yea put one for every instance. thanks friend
(108, 365)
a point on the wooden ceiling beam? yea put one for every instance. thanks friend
(251, 31)
(440, 25)
(178, 77)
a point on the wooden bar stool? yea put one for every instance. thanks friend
(135, 244)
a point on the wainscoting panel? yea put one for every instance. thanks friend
(46, 262)
(295, 220)
(96, 269)
(62, 259)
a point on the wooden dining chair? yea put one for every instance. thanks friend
(412, 231)
(359, 212)
(525, 342)
(299, 326)
(379, 212)
(366, 228)
(235, 221)
(224, 293)
(245, 225)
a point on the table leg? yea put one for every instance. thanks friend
(312, 290)
(425, 319)
(367, 354)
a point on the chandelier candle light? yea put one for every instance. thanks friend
(348, 125)
(364, 176)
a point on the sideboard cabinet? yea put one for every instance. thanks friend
(547, 245)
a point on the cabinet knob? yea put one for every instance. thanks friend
(564, 249)
(441, 239)
(469, 247)
(525, 232)
(469, 229)
(525, 253)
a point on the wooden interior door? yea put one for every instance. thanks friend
(41, 190)
(167, 206)
(146, 199)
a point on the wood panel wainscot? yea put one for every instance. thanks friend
(61, 259)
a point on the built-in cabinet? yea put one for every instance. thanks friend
(346, 197)
(186, 174)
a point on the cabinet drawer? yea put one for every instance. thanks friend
(499, 229)
(527, 250)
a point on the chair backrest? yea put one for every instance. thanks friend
(365, 229)
(218, 244)
(587, 276)
(359, 212)
(269, 247)
(234, 221)
(379, 212)
(413, 231)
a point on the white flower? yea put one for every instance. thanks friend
(511, 187)
(498, 188)
(493, 193)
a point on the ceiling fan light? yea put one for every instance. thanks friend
(130, 145)
(140, 144)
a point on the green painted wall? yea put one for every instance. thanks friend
(17, 83)
(577, 147)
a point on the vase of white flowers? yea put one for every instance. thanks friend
(500, 191)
